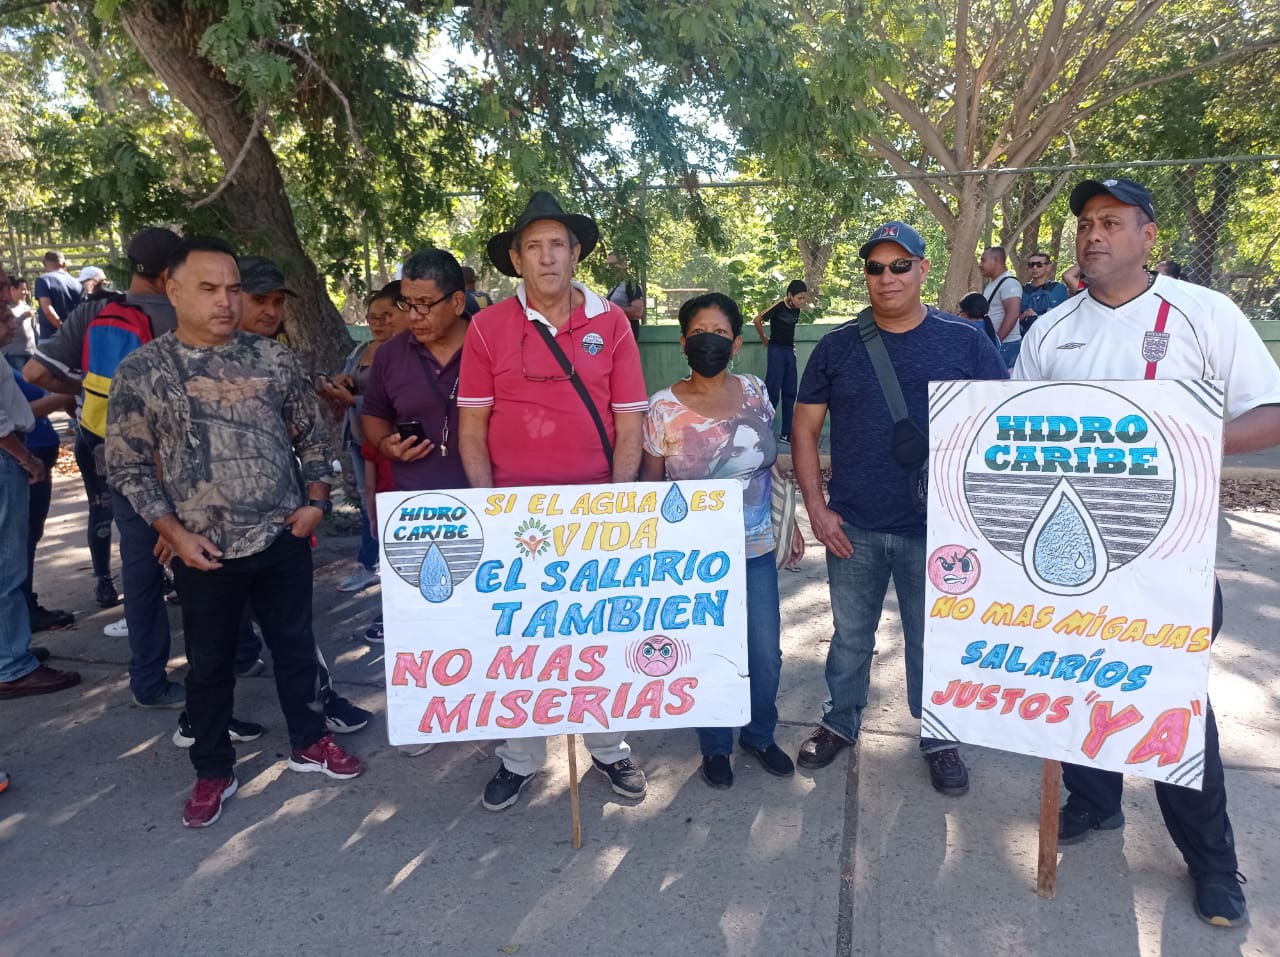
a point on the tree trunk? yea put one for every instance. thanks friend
(259, 213)
(973, 212)
(816, 256)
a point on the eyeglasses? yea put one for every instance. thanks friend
(1037, 265)
(562, 376)
(897, 267)
(422, 308)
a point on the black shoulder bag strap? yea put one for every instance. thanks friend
(880, 361)
(567, 367)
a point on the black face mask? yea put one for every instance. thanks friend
(708, 353)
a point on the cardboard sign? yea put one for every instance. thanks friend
(1069, 592)
(524, 612)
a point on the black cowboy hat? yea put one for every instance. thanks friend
(542, 206)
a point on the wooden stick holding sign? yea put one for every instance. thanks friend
(1047, 864)
(572, 744)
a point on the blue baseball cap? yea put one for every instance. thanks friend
(1126, 190)
(895, 232)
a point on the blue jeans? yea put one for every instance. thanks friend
(16, 660)
(1009, 352)
(764, 661)
(780, 382)
(368, 553)
(144, 610)
(858, 587)
(99, 495)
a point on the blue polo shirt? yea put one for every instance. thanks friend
(42, 434)
(63, 291)
(868, 488)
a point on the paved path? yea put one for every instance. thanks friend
(862, 857)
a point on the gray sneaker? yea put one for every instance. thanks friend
(172, 696)
(625, 778)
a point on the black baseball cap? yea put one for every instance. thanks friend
(149, 250)
(1126, 190)
(895, 232)
(259, 275)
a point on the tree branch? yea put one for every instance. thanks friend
(311, 62)
(254, 131)
(936, 204)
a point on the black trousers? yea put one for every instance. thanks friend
(37, 512)
(276, 583)
(1197, 820)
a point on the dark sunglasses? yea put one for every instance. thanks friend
(1037, 265)
(897, 267)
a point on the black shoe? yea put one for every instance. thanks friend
(236, 730)
(717, 771)
(44, 619)
(39, 652)
(624, 776)
(1074, 826)
(105, 593)
(1220, 901)
(947, 772)
(503, 789)
(773, 759)
(821, 748)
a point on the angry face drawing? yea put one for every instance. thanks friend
(954, 569)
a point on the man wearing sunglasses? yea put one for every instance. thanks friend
(872, 526)
(551, 394)
(1042, 292)
(1135, 324)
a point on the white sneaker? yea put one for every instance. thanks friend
(117, 629)
(359, 579)
(416, 750)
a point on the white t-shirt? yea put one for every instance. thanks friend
(1009, 288)
(1208, 338)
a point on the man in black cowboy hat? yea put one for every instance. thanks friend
(523, 420)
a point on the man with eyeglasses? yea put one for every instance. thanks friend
(1135, 324)
(552, 394)
(1042, 293)
(414, 379)
(871, 524)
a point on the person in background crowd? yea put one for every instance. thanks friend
(780, 344)
(91, 279)
(215, 406)
(22, 345)
(1004, 300)
(83, 357)
(974, 308)
(713, 425)
(476, 300)
(1042, 293)
(42, 442)
(263, 292)
(57, 293)
(515, 362)
(1073, 279)
(626, 295)
(22, 672)
(873, 523)
(1170, 268)
(347, 391)
(1206, 337)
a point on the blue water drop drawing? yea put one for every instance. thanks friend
(434, 580)
(1064, 553)
(674, 507)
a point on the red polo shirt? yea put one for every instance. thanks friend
(540, 433)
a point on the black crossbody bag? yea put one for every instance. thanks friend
(910, 447)
(567, 367)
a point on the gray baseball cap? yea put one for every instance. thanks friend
(260, 275)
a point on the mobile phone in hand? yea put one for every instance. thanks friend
(411, 429)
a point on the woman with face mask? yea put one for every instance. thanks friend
(716, 424)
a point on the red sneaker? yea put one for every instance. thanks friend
(205, 804)
(326, 757)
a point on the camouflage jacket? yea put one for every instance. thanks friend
(227, 426)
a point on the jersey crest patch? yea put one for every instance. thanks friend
(1155, 346)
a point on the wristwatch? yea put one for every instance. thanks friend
(323, 504)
